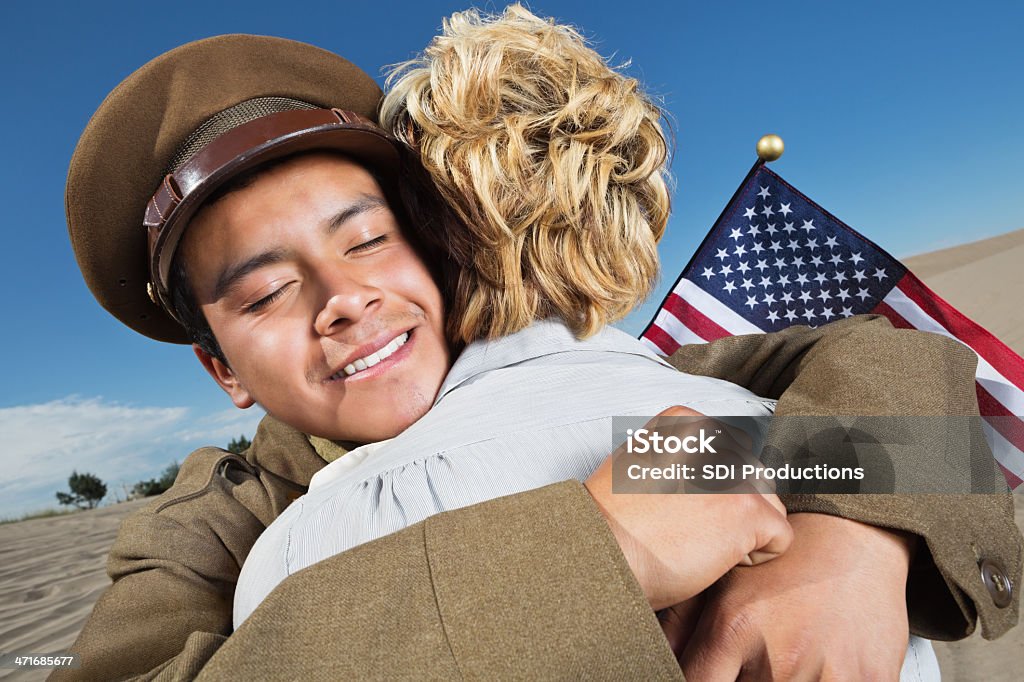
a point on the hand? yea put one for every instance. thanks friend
(678, 544)
(833, 608)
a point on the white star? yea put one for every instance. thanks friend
(824, 296)
(820, 278)
(740, 250)
(771, 229)
(782, 281)
(785, 210)
(736, 234)
(801, 278)
(773, 316)
(828, 314)
(764, 193)
(747, 284)
(769, 299)
(862, 294)
(726, 270)
(751, 213)
(808, 225)
(805, 296)
(762, 265)
(840, 276)
(856, 258)
(812, 244)
(722, 254)
(879, 274)
(779, 263)
(843, 294)
(743, 267)
(836, 259)
(798, 261)
(751, 301)
(767, 211)
(709, 273)
(859, 275)
(789, 228)
(793, 245)
(729, 287)
(831, 242)
(786, 297)
(816, 260)
(809, 314)
(790, 315)
(846, 312)
(765, 282)
(753, 230)
(775, 246)
(757, 248)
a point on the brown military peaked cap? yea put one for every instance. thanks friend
(180, 126)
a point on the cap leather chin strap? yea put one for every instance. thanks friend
(182, 191)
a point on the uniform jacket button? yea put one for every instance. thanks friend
(997, 583)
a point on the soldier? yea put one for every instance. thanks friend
(200, 119)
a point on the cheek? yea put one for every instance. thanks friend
(261, 355)
(408, 275)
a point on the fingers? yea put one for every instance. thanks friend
(709, 661)
(679, 622)
(678, 411)
(777, 534)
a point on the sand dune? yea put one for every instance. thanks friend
(53, 569)
(985, 280)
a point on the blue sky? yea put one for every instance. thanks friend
(903, 119)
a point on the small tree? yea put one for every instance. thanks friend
(156, 486)
(86, 491)
(239, 445)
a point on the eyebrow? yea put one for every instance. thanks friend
(231, 276)
(365, 204)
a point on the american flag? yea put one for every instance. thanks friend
(775, 258)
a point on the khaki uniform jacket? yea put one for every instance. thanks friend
(522, 586)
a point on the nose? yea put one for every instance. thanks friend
(346, 301)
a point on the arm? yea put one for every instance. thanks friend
(516, 587)
(886, 371)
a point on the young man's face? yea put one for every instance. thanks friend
(305, 274)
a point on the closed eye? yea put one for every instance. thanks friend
(265, 301)
(366, 246)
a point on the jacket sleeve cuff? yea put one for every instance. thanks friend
(946, 594)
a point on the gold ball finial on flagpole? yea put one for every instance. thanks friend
(770, 148)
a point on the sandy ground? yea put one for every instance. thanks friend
(52, 572)
(52, 569)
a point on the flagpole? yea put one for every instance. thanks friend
(769, 148)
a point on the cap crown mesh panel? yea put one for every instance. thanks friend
(230, 118)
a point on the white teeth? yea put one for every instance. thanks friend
(373, 358)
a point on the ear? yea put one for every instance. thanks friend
(225, 378)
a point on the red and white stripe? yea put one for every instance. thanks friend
(1000, 373)
(692, 315)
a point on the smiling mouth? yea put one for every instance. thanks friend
(372, 359)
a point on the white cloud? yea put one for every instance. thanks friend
(40, 445)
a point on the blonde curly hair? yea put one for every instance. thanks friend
(552, 164)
